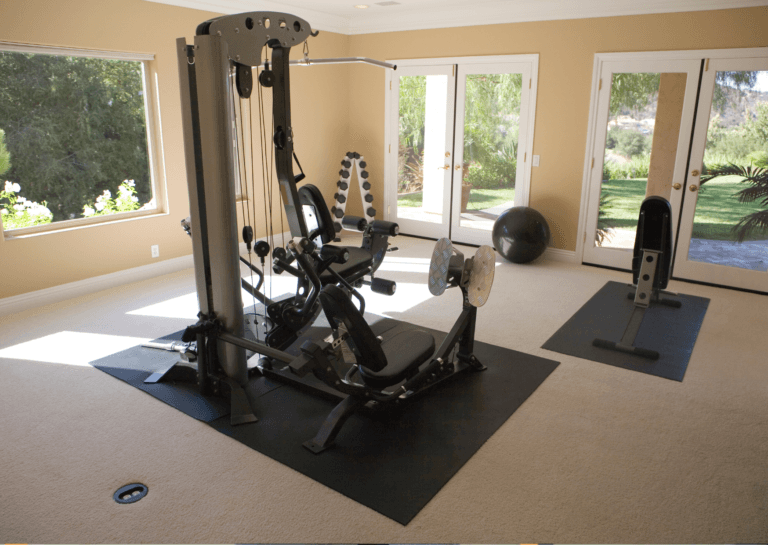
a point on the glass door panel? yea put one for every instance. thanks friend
(645, 113)
(491, 146)
(724, 230)
(423, 118)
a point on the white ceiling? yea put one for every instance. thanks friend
(341, 16)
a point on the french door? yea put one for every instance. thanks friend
(716, 243)
(459, 143)
(645, 112)
(691, 127)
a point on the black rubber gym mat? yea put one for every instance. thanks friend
(393, 464)
(670, 331)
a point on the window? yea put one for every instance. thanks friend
(76, 138)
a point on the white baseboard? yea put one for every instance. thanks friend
(56, 294)
(556, 254)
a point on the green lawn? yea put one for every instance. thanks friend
(479, 199)
(717, 208)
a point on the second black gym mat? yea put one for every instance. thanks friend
(670, 331)
(393, 465)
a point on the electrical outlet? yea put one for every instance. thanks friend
(535, 160)
(155, 251)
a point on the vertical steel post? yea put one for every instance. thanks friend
(218, 225)
(194, 164)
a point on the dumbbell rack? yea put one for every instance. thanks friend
(345, 176)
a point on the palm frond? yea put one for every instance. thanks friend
(751, 194)
(757, 221)
(716, 171)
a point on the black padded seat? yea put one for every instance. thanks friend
(405, 351)
(382, 363)
(359, 263)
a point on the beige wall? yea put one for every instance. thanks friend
(341, 108)
(320, 124)
(566, 52)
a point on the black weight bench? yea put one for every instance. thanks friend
(651, 269)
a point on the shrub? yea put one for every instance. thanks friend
(637, 167)
(126, 201)
(19, 212)
(628, 142)
(496, 171)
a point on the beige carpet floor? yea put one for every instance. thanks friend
(598, 454)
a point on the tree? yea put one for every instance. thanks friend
(5, 156)
(632, 91)
(75, 127)
(726, 81)
(413, 98)
(491, 128)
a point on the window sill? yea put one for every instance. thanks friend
(80, 223)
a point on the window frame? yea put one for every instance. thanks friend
(153, 127)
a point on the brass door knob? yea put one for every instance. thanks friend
(695, 173)
(458, 167)
(447, 153)
(446, 167)
(676, 186)
(693, 187)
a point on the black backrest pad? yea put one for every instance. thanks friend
(654, 232)
(310, 195)
(338, 309)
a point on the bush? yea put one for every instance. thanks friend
(126, 201)
(628, 142)
(17, 211)
(759, 158)
(637, 167)
(496, 171)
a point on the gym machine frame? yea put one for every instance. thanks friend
(233, 45)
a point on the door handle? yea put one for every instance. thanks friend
(677, 186)
(693, 187)
(446, 167)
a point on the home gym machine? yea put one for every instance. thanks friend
(651, 266)
(388, 367)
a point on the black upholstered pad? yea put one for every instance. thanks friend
(405, 349)
(359, 262)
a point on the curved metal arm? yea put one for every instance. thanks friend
(344, 60)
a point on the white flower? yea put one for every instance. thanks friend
(131, 183)
(16, 188)
(4, 212)
(124, 190)
(88, 211)
(18, 207)
(107, 193)
(39, 210)
(135, 199)
(99, 206)
(8, 187)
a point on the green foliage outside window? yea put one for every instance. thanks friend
(74, 127)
